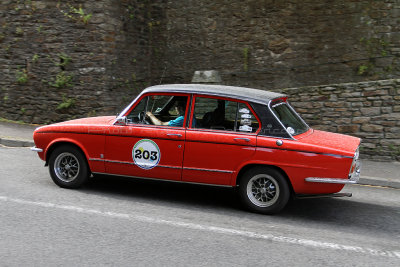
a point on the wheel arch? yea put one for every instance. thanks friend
(247, 167)
(59, 143)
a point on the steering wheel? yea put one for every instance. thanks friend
(142, 118)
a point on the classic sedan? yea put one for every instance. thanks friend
(243, 138)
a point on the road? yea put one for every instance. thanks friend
(128, 222)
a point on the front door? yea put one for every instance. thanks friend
(152, 143)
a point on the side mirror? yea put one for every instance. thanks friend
(121, 121)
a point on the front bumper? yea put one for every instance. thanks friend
(36, 149)
(353, 179)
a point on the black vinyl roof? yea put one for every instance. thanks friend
(249, 94)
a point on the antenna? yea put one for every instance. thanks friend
(162, 76)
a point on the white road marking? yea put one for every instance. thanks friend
(209, 228)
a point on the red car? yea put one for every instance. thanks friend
(243, 138)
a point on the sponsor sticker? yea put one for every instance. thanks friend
(244, 110)
(245, 122)
(245, 128)
(146, 154)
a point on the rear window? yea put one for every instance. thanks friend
(288, 117)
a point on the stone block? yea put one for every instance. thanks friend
(360, 120)
(348, 128)
(375, 93)
(208, 76)
(372, 128)
(371, 111)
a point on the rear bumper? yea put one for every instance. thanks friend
(353, 179)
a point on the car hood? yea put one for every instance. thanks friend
(78, 125)
(335, 143)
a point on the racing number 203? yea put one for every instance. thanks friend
(145, 154)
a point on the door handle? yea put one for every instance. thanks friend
(177, 135)
(241, 138)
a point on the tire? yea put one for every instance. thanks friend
(68, 167)
(264, 190)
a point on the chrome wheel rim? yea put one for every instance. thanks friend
(263, 190)
(66, 167)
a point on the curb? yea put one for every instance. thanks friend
(364, 180)
(15, 142)
(376, 181)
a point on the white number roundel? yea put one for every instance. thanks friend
(146, 154)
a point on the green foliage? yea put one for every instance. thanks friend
(363, 69)
(23, 110)
(35, 58)
(131, 11)
(66, 103)
(77, 14)
(22, 76)
(246, 59)
(92, 113)
(19, 31)
(61, 80)
(64, 60)
(375, 48)
(395, 150)
(5, 98)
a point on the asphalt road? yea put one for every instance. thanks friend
(128, 222)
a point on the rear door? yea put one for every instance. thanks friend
(222, 136)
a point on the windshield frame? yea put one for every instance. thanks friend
(277, 102)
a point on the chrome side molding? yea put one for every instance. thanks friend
(331, 180)
(324, 195)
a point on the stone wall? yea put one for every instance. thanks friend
(369, 110)
(65, 59)
(277, 44)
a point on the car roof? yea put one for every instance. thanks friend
(249, 94)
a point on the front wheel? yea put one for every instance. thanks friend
(68, 167)
(264, 190)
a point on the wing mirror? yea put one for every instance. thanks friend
(121, 121)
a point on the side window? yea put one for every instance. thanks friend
(246, 121)
(137, 114)
(167, 110)
(217, 114)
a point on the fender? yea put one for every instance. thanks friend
(65, 140)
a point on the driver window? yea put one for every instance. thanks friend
(166, 110)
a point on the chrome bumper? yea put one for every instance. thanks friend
(353, 179)
(36, 149)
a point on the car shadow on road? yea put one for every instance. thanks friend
(343, 213)
(164, 192)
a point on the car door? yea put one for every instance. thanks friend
(141, 149)
(222, 136)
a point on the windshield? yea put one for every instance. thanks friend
(291, 121)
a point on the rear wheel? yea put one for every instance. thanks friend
(264, 190)
(68, 167)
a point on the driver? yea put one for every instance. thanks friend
(178, 122)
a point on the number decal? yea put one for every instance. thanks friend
(153, 155)
(146, 154)
(138, 154)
